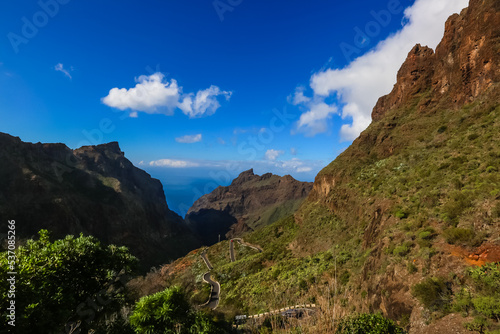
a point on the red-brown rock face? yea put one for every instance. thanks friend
(465, 63)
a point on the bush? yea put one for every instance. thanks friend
(487, 278)
(58, 282)
(433, 293)
(368, 324)
(411, 268)
(479, 324)
(462, 236)
(403, 250)
(488, 306)
(442, 129)
(169, 312)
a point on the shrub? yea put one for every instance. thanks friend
(463, 236)
(169, 312)
(442, 129)
(401, 214)
(488, 306)
(55, 279)
(404, 249)
(368, 324)
(479, 324)
(458, 202)
(411, 268)
(487, 277)
(433, 293)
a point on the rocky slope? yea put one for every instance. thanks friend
(421, 189)
(92, 190)
(405, 220)
(251, 201)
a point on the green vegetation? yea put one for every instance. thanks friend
(66, 281)
(169, 312)
(368, 324)
(433, 293)
(463, 236)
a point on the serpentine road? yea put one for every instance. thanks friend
(241, 242)
(213, 301)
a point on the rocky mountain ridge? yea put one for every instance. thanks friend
(249, 202)
(93, 190)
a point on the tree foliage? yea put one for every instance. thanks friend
(368, 324)
(168, 312)
(68, 280)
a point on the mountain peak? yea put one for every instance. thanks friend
(464, 65)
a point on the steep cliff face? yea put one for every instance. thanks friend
(92, 190)
(427, 167)
(251, 201)
(464, 65)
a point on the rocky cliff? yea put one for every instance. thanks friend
(92, 190)
(464, 65)
(251, 201)
(419, 188)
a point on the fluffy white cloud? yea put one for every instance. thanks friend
(60, 68)
(173, 163)
(189, 139)
(154, 95)
(204, 103)
(359, 85)
(313, 121)
(151, 95)
(273, 154)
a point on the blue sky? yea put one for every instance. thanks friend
(197, 91)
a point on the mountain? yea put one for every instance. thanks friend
(406, 221)
(420, 187)
(251, 201)
(93, 190)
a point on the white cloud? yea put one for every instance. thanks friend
(189, 139)
(313, 121)
(304, 169)
(294, 166)
(359, 85)
(298, 96)
(60, 68)
(204, 103)
(273, 154)
(293, 151)
(173, 163)
(154, 95)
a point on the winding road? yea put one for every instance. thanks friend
(213, 301)
(241, 242)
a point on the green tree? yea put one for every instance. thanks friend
(168, 312)
(368, 324)
(68, 280)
